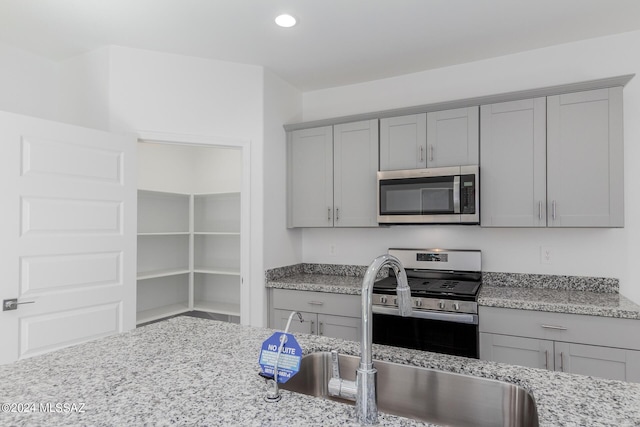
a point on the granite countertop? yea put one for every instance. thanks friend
(559, 301)
(561, 294)
(190, 371)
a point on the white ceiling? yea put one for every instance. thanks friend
(336, 42)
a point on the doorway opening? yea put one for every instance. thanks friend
(193, 217)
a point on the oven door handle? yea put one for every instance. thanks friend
(470, 319)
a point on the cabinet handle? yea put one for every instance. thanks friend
(431, 152)
(546, 359)
(337, 214)
(328, 214)
(316, 302)
(320, 329)
(540, 210)
(311, 331)
(561, 362)
(558, 328)
(421, 154)
(553, 210)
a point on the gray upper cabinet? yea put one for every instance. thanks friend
(355, 164)
(403, 142)
(310, 177)
(513, 164)
(585, 159)
(452, 137)
(332, 175)
(564, 169)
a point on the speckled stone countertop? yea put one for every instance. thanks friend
(562, 294)
(190, 371)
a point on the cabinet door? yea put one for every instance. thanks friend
(453, 137)
(347, 328)
(310, 177)
(605, 362)
(307, 326)
(403, 142)
(585, 159)
(355, 165)
(530, 352)
(513, 164)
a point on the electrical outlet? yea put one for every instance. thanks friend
(332, 249)
(546, 255)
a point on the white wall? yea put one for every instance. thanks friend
(189, 168)
(174, 94)
(282, 104)
(591, 252)
(27, 83)
(83, 89)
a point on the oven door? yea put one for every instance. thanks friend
(441, 334)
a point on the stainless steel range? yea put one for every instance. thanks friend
(444, 291)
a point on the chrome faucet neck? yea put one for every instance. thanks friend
(366, 405)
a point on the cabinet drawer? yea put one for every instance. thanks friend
(577, 328)
(317, 302)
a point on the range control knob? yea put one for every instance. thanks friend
(395, 300)
(456, 306)
(383, 300)
(418, 303)
(441, 305)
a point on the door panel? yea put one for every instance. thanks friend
(307, 326)
(452, 137)
(355, 166)
(68, 227)
(604, 362)
(403, 142)
(310, 179)
(346, 328)
(513, 158)
(585, 160)
(521, 351)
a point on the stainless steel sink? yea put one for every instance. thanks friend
(426, 394)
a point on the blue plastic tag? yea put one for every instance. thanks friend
(290, 356)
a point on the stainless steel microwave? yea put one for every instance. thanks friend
(448, 195)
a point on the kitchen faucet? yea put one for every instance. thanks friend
(363, 390)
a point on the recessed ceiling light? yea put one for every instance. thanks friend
(285, 21)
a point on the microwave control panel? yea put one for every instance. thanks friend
(468, 194)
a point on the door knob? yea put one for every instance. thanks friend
(12, 304)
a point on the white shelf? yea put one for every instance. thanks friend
(143, 275)
(160, 312)
(213, 270)
(170, 233)
(229, 309)
(188, 254)
(217, 233)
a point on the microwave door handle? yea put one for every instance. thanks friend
(456, 194)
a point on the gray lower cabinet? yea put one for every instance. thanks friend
(587, 345)
(331, 175)
(553, 161)
(331, 315)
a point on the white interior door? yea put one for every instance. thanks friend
(67, 227)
